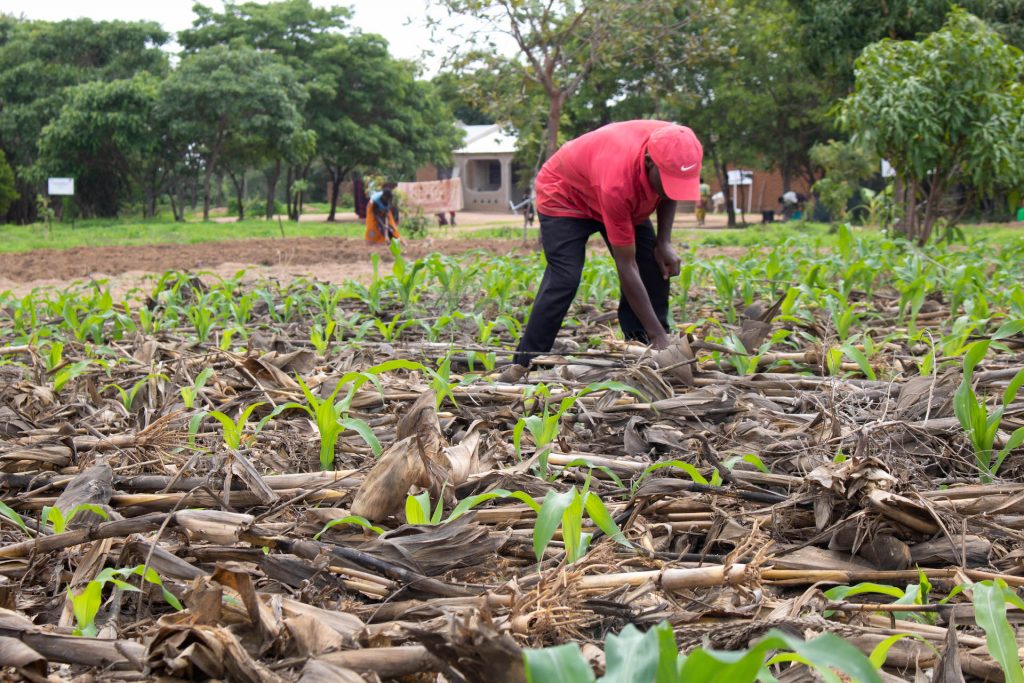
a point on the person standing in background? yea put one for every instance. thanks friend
(382, 217)
(446, 174)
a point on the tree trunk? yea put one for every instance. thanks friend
(288, 182)
(174, 204)
(206, 193)
(239, 184)
(272, 178)
(722, 170)
(555, 107)
(336, 176)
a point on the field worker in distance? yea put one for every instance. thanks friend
(382, 217)
(610, 181)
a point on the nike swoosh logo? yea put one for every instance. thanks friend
(684, 169)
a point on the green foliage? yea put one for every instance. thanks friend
(233, 107)
(235, 429)
(8, 189)
(978, 422)
(990, 598)
(566, 510)
(10, 514)
(86, 603)
(845, 165)
(38, 61)
(331, 417)
(635, 657)
(943, 110)
(544, 427)
(350, 519)
(59, 520)
(189, 394)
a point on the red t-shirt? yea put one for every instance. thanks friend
(601, 176)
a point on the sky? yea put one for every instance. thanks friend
(402, 22)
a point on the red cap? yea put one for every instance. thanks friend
(677, 153)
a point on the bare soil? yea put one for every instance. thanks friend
(326, 258)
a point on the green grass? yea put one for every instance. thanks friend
(91, 233)
(163, 230)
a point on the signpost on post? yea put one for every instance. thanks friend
(55, 187)
(737, 178)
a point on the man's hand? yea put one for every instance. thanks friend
(661, 341)
(667, 259)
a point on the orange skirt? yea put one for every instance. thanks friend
(374, 235)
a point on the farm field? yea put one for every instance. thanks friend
(278, 480)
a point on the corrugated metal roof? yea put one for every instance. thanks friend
(487, 140)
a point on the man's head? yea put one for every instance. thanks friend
(675, 155)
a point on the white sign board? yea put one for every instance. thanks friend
(60, 186)
(741, 177)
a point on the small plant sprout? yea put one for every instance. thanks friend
(978, 422)
(189, 394)
(544, 428)
(320, 336)
(566, 510)
(331, 417)
(58, 520)
(234, 429)
(87, 602)
(354, 520)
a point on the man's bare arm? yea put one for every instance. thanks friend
(636, 294)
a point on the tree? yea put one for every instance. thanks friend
(755, 102)
(370, 112)
(845, 165)
(297, 33)
(8, 192)
(833, 33)
(228, 107)
(108, 137)
(944, 110)
(39, 59)
(560, 43)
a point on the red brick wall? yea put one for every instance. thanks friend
(767, 189)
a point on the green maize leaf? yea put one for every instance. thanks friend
(838, 593)
(669, 661)
(1011, 390)
(599, 513)
(417, 509)
(559, 664)
(974, 355)
(86, 605)
(364, 430)
(881, 651)
(10, 514)
(692, 471)
(1009, 329)
(244, 417)
(524, 497)
(351, 519)
(549, 518)
(572, 528)
(990, 612)
(861, 360)
(1015, 440)
(467, 504)
(583, 462)
(631, 656)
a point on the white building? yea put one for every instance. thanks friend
(484, 163)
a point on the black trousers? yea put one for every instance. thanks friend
(565, 246)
